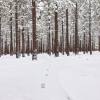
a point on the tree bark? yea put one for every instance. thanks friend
(34, 51)
(0, 36)
(76, 30)
(67, 35)
(11, 37)
(16, 29)
(90, 45)
(56, 47)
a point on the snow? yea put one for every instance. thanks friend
(74, 77)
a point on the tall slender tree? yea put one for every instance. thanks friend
(28, 44)
(52, 43)
(49, 40)
(84, 44)
(67, 34)
(11, 36)
(23, 43)
(16, 28)
(56, 45)
(34, 51)
(62, 37)
(90, 45)
(99, 43)
(76, 30)
(0, 36)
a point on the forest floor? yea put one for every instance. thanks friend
(74, 77)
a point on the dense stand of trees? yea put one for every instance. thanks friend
(26, 42)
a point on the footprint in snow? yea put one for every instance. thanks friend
(43, 85)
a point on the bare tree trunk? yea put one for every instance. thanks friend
(70, 44)
(5, 49)
(34, 51)
(90, 45)
(73, 43)
(67, 35)
(93, 44)
(60, 45)
(52, 43)
(19, 39)
(62, 37)
(80, 46)
(16, 29)
(31, 46)
(2, 51)
(84, 44)
(49, 41)
(99, 43)
(41, 46)
(0, 36)
(56, 46)
(28, 44)
(23, 44)
(11, 37)
(76, 30)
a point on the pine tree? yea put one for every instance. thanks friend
(49, 41)
(19, 39)
(67, 34)
(73, 43)
(16, 29)
(84, 43)
(34, 49)
(6, 46)
(70, 44)
(11, 36)
(41, 46)
(23, 44)
(28, 44)
(80, 45)
(0, 36)
(60, 45)
(90, 45)
(99, 43)
(56, 47)
(52, 43)
(76, 30)
(62, 38)
(2, 51)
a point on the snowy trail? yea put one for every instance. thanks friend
(50, 78)
(53, 89)
(21, 79)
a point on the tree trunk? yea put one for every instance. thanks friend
(62, 37)
(90, 45)
(23, 43)
(56, 47)
(52, 43)
(28, 44)
(49, 41)
(67, 35)
(99, 43)
(34, 51)
(76, 30)
(0, 36)
(84, 44)
(11, 37)
(16, 29)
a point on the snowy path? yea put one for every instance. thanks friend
(21, 80)
(50, 78)
(52, 90)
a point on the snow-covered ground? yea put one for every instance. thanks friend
(50, 78)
